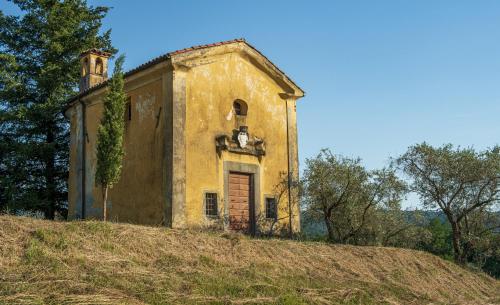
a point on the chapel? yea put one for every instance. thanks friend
(210, 132)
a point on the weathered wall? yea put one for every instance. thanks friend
(179, 107)
(178, 153)
(212, 84)
(89, 75)
(293, 151)
(140, 195)
(75, 161)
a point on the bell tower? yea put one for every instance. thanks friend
(94, 68)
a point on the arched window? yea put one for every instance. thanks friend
(98, 66)
(85, 67)
(240, 107)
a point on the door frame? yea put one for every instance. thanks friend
(254, 171)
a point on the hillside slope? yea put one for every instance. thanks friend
(44, 262)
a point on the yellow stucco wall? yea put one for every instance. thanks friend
(74, 178)
(179, 107)
(139, 196)
(211, 88)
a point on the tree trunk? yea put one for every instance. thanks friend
(50, 185)
(271, 230)
(466, 244)
(104, 202)
(457, 247)
(329, 227)
(290, 217)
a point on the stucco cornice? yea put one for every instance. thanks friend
(289, 96)
(180, 66)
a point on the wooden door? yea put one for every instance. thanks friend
(240, 202)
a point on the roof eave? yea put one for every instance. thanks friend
(103, 84)
(298, 92)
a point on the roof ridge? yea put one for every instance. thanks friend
(158, 59)
(165, 56)
(203, 46)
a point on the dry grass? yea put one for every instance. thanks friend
(44, 262)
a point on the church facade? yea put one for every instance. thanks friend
(210, 132)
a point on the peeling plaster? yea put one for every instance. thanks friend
(145, 106)
(229, 116)
(194, 99)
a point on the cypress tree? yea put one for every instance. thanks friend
(39, 71)
(110, 135)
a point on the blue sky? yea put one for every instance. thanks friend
(379, 75)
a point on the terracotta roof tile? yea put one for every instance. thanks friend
(204, 46)
(167, 56)
(96, 51)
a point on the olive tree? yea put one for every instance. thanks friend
(461, 182)
(346, 196)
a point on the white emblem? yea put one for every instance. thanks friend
(243, 139)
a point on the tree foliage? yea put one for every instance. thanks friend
(462, 183)
(39, 71)
(346, 196)
(110, 134)
(438, 239)
(362, 207)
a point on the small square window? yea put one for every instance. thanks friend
(271, 208)
(211, 205)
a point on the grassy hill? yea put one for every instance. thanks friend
(44, 262)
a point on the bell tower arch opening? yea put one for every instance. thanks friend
(94, 68)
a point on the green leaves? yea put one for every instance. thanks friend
(110, 132)
(457, 180)
(340, 191)
(462, 182)
(39, 71)
(110, 135)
